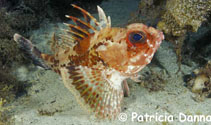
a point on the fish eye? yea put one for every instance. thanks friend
(137, 37)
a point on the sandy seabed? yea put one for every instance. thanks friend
(48, 102)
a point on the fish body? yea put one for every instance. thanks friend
(94, 59)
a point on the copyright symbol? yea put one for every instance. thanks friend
(122, 117)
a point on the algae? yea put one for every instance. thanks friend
(147, 12)
(184, 15)
(9, 51)
(10, 87)
(3, 110)
(176, 18)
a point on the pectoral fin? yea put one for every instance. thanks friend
(93, 91)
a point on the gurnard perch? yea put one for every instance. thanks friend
(95, 59)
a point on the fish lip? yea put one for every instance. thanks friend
(162, 35)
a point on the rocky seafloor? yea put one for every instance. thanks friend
(165, 90)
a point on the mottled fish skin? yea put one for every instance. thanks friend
(94, 59)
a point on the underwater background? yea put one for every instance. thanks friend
(177, 80)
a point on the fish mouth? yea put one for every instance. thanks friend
(161, 35)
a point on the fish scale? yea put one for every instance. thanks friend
(94, 59)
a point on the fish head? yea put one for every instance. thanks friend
(130, 49)
(142, 37)
(142, 42)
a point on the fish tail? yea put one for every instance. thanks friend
(31, 51)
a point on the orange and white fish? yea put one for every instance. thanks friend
(95, 59)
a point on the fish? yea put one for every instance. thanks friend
(95, 59)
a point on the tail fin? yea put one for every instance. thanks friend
(30, 51)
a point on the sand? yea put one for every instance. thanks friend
(48, 102)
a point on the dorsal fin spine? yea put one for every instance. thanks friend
(85, 13)
(78, 28)
(74, 19)
(75, 33)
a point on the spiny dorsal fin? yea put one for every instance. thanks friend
(88, 17)
(104, 21)
(81, 23)
(83, 28)
(93, 91)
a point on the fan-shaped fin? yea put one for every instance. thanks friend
(90, 87)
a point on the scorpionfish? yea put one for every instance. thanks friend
(95, 59)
